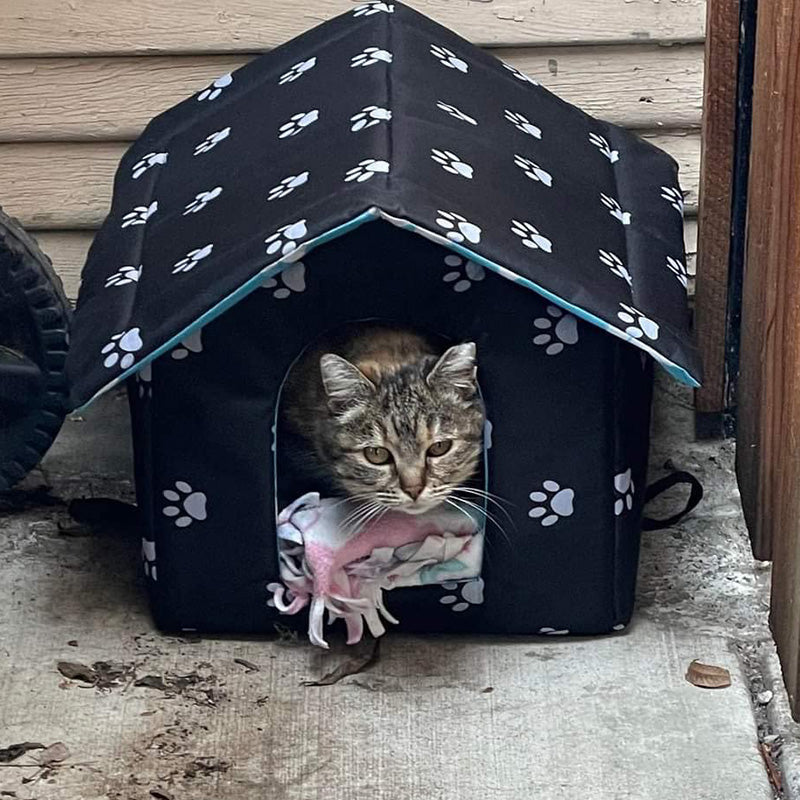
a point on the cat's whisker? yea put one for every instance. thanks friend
(478, 493)
(486, 514)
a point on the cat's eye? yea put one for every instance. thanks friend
(377, 455)
(440, 448)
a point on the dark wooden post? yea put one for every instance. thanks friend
(768, 447)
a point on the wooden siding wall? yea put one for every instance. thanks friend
(80, 78)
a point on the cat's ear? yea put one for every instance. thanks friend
(345, 385)
(455, 370)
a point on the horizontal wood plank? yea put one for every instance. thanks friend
(637, 86)
(95, 27)
(68, 185)
(68, 249)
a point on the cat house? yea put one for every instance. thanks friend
(381, 167)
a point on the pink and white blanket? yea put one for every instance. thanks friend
(328, 565)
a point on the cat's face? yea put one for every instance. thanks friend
(404, 439)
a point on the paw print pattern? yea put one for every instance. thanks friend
(601, 143)
(521, 76)
(123, 276)
(295, 72)
(139, 215)
(624, 489)
(530, 236)
(292, 279)
(215, 89)
(193, 343)
(673, 195)
(185, 505)
(285, 239)
(458, 228)
(639, 324)
(369, 116)
(121, 348)
(523, 124)
(558, 329)
(146, 162)
(149, 559)
(202, 199)
(614, 263)
(144, 381)
(680, 271)
(287, 186)
(212, 140)
(455, 112)
(368, 9)
(553, 631)
(369, 56)
(463, 273)
(192, 259)
(615, 209)
(533, 170)
(452, 163)
(552, 503)
(471, 594)
(366, 169)
(449, 59)
(297, 123)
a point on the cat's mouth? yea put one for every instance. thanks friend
(418, 506)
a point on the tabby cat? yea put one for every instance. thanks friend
(385, 416)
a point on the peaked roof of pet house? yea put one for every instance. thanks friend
(380, 113)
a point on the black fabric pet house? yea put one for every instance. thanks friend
(498, 213)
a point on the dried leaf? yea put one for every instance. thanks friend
(708, 676)
(16, 750)
(160, 794)
(152, 682)
(53, 755)
(248, 665)
(773, 773)
(350, 666)
(77, 672)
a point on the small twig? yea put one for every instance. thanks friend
(772, 771)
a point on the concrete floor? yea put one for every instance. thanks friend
(473, 719)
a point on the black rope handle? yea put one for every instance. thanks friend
(661, 486)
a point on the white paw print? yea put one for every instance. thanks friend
(455, 112)
(471, 594)
(553, 503)
(292, 279)
(297, 123)
(140, 214)
(149, 559)
(369, 116)
(557, 330)
(211, 141)
(285, 239)
(452, 163)
(462, 281)
(449, 58)
(369, 56)
(293, 73)
(624, 488)
(614, 263)
(679, 268)
(193, 343)
(144, 381)
(124, 275)
(638, 324)
(554, 631)
(458, 228)
(148, 161)
(374, 7)
(533, 170)
(125, 343)
(523, 124)
(287, 186)
(674, 196)
(192, 259)
(530, 236)
(215, 89)
(186, 505)
(366, 169)
(521, 75)
(202, 199)
(615, 209)
(601, 143)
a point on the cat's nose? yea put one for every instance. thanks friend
(413, 490)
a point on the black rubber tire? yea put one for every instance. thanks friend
(35, 322)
